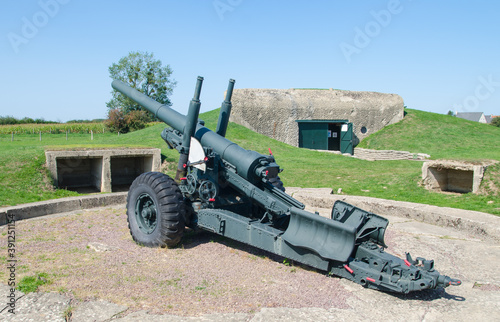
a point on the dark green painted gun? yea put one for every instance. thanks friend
(225, 189)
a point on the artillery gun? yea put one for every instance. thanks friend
(225, 189)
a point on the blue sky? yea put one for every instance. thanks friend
(438, 55)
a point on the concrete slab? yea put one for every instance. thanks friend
(35, 307)
(141, 316)
(99, 310)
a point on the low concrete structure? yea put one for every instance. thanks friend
(453, 176)
(376, 155)
(100, 170)
(61, 205)
(275, 112)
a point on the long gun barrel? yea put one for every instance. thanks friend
(249, 164)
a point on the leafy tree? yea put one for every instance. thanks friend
(8, 120)
(495, 121)
(26, 120)
(450, 113)
(144, 73)
(86, 121)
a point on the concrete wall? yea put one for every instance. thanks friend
(101, 170)
(273, 112)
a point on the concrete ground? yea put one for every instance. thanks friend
(463, 249)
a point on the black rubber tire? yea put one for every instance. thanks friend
(169, 225)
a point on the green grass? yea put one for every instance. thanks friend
(441, 136)
(23, 177)
(29, 284)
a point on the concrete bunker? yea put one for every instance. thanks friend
(452, 176)
(109, 170)
(305, 117)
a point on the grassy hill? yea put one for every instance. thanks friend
(23, 177)
(441, 136)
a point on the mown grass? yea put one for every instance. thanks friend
(24, 178)
(441, 136)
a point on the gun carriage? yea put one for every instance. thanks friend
(223, 188)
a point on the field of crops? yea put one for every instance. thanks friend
(53, 128)
(56, 128)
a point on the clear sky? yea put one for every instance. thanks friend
(438, 55)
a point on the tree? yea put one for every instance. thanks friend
(450, 113)
(496, 121)
(144, 73)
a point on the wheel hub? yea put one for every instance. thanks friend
(145, 213)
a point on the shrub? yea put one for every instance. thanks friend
(137, 120)
(116, 121)
(119, 122)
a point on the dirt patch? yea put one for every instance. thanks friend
(206, 274)
(167, 166)
(486, 287)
